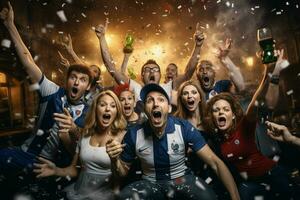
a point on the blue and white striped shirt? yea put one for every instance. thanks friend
(162, 158)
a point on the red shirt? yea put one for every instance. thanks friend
(240, 149)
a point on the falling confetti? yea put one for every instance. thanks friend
(276, 158)
(62, 16)
(208, 180)
(6, 43)
(289, 92)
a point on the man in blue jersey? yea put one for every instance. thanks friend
(161, 144)
(61, 110)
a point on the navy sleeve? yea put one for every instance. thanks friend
(193, 137)
(128, 155)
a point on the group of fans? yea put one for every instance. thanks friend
(150, 140)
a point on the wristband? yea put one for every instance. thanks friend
(274, 79)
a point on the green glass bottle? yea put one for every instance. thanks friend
(128, 44)
(266, 42)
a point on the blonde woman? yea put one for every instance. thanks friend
(104, 122)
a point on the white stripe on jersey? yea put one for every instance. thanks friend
(144, 150)
(176, 151)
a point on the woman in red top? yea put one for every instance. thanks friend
(261, 176)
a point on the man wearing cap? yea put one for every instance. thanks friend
(160, 144)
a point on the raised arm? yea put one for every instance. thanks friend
(69, 47)
(124, 63)
(218, 166)
(234, 72)
(272, 95)
(47, 168)
(251, 111)
(193, 61)
(106, 56)
(7, 15)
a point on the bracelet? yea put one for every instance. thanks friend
(274, 79)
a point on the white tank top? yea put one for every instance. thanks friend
(94, 159)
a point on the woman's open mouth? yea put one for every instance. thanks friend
(221, 121)
(127, 109)
(106, 118)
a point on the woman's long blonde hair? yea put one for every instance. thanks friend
(182, 111)
(119, 123)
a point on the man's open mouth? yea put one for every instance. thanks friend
(152, 78)
(74, 91)
(156, 115)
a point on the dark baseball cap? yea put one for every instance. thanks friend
(152, 87)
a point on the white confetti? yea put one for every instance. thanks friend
(43, 30)
(62, 16)
(287, 3)
(258, 197)
(208, 180)
(68, 178)
(278, 13)
(199, 184)
(40, 132)
(244, 175)
(6, 43)
(83, 15)
(148, 25)
(69, 1)
(17, 115)
(229, 155)
(179, 7)
(219, 1)
(49, 25)
(34, 87)
(228, 3)
(289, 92)
(276, 158)
(36, 57)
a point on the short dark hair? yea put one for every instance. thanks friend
(150, 61)
(81, 69)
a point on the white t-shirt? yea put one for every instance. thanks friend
(136, 88)
(94, 159)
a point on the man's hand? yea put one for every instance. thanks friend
(100, 29)
(65, 122)
(281, 63)
(279, 132)
(45, 168)
(67, 43)
(199, 36)
(114, 148)
(63, 61)
(7, 15)
(224, 49)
